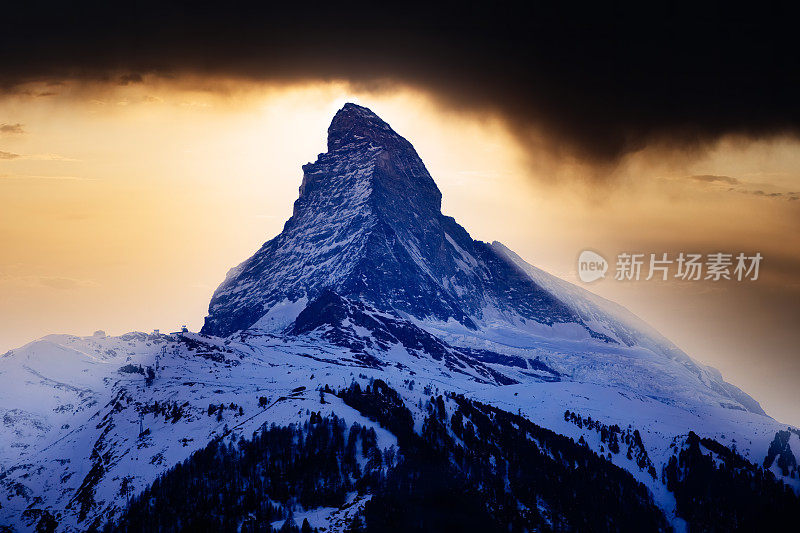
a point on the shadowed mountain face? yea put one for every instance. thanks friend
(368, 225)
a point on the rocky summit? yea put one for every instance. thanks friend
(368, 225)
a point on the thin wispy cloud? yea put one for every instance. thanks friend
(60, 283)
(35, 177)
(12, 129)
(36, 157)
(48, 157)
(712, 178)
(735, 185)
(791, 196)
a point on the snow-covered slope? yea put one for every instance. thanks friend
(81, 461)
(368, 280)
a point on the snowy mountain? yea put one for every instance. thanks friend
(368, 225)
(368, 228)
(374, 332)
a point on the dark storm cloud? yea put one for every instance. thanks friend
(600, 83)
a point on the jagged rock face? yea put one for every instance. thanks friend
(368, 225)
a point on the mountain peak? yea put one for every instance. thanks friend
(368, 226)
(367, 247)
(354, 123)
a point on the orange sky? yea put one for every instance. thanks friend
(124, 206)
